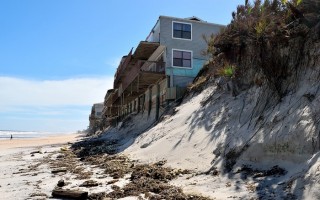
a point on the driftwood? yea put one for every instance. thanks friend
(34, 152)
(71, 194)
(112, 181)
(89, 183)
(54, 171)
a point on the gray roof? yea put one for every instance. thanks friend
(193, 19)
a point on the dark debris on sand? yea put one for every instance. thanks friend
(255, 173)
(150, 180)
(94, 146)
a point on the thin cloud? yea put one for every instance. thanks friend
(14, 112)
(114, 62)
(78, 91)
(58, 105)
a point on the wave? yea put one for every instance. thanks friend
(25, 134)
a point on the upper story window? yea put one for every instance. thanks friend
(98, 113)
(181, 30)
(181, 58)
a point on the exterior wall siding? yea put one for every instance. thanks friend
(155, 34)
(196, 66)
(196, 45)
(153, 101)
(98, 110)
(182, 81)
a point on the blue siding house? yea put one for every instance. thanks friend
(160, 67)
(183, 41)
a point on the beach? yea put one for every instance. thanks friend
(20, 176)
(100, 168)
(42, 168)
(7, 144)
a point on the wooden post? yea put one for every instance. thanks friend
(158, 102)
(123, 106)
(138, 83)
(150, 101)
(139, 102)
(130, 108)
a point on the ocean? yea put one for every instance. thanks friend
(6, 134)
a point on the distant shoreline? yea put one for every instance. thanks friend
(7, 143)
(29, 134)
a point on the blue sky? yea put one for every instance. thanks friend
(58, 57)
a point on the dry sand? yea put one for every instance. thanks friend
(200, 132)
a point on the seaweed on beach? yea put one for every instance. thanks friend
(148, 180)
(93, 147)
(155, 189)
(67, 161)
(151, 180)
(114, 166)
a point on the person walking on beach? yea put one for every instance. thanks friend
(11, 137)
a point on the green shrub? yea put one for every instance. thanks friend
(227, 70)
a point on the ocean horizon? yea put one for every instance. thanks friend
(6, 134)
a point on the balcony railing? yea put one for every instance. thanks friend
(152, 66)
(122, 67)
(92, 117)
(142, 66)
(131, 73)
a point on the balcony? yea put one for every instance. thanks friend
(121, 69)
(91, 117)
(137, 81)
(142, 52)
(138, 71)
(146, 71)
(107, 97)
(110, 112)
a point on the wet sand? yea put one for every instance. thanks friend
(7, 144)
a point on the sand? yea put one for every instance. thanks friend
(204, 128)
(196, 137)
(27, 174)
(34, 142)
(17, 180)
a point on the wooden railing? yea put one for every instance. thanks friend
(122, 67)
(132, 72)
(142, 66)
(152, 66)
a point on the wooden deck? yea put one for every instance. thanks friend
(136, 73)
(140, 84)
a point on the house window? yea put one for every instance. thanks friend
(181, 58)
(181, 30)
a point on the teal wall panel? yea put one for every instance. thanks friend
(196, 66)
